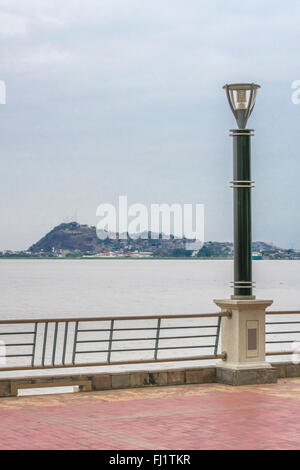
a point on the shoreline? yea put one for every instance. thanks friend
(186, 258)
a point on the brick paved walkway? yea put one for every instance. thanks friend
(181, 417)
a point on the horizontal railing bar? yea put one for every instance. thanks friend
(284, 312)
(150, 328)
(146, 349)
(88, 319)
(18, 333)
(283, 323)
(278, 353)
(280, 332)
(117, 363)
(144, 339)
(18, 355)
(106, 329)
(277, 342)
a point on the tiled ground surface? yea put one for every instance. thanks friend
(181, 417)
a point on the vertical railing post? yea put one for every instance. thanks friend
(217, 336)
(75, 343)
(54, 343)
(157, 338)
(44, 343)
(34, 344)
(65, 343)
(110, 340)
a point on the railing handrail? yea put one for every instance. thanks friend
(283, 312)
(138, 317)
(115, 318)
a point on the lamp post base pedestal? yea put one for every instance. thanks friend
(243, 341)
(260, 375)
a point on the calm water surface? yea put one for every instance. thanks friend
(51, 288)
(68, 288)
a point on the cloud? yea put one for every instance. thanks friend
(13, 25)
(131, 88)
(50, 21)
(46, 55)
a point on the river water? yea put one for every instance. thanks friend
(98, 288)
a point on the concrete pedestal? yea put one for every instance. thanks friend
(243, 341)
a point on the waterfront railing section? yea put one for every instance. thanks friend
(282, 332)
(107, 341)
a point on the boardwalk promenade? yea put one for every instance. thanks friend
(207, 416)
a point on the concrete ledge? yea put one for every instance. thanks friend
(192, 375)
(287, 369)
(104, 381)
(200, 376)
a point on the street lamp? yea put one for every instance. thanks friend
(243, 327)
(241, 98)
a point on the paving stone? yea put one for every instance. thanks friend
(205, 416)
(101, 382)
(158, 378)
(246, 377)
(293, 370)
(203, 375)
(139, 379)
(267, 376)
(224, 375)
(176, 377)
(120, 381)
(281, 370)
(5, 389)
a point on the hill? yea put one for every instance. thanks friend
(73, 239)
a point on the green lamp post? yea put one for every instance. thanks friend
(241, 97)
(243, 331)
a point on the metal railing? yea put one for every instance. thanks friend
(278, 325)
(71, 342)
(74, 342)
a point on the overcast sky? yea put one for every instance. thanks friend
(124, 97)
